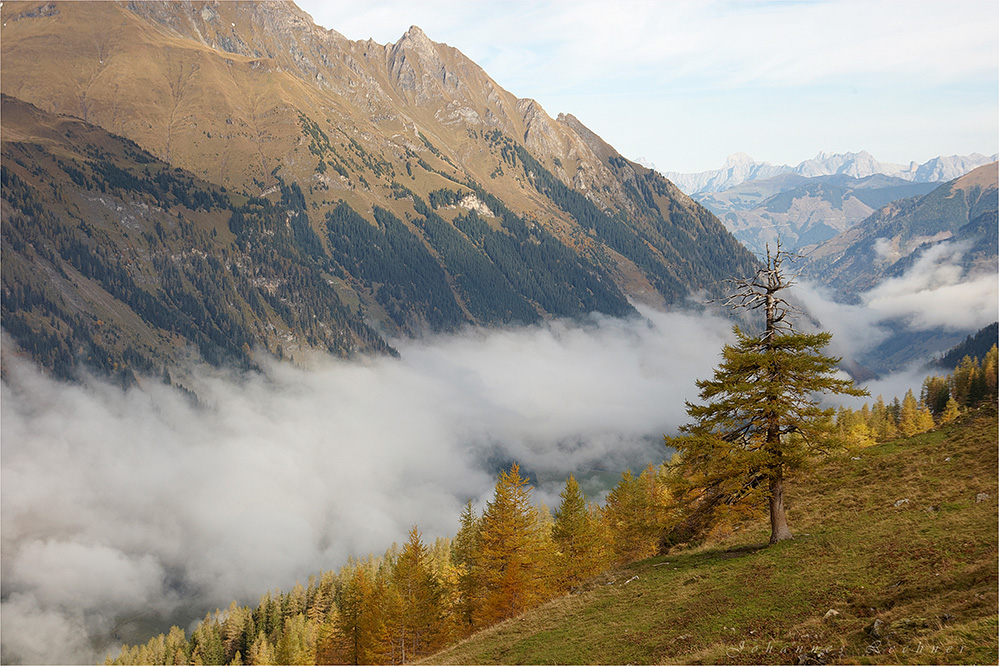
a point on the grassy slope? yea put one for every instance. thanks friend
(927, 569)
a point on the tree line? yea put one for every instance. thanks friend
(941, 400)
(418, 598)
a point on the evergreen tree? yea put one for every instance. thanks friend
(882, 421)
(362, 634)
(935, 394)
(759, 419)
(962, 379)
(990, 370)
(908, 421)
(421, 623)
(576, 533)
(511, 568)
(261, 652)
(464, 557)
(635, 515)
(297, 642)
(951, 411)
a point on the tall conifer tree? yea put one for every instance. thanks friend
(576, 533)
(421, 622)
(511, 564)
(759, 419)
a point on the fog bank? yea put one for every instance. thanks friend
(138, 504)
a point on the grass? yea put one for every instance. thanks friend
(914, 583)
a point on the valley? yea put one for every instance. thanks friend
(275, 301)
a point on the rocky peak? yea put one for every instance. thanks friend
(415, 38)
(418, 68)
(600, 148)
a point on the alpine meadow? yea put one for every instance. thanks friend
(325, 347)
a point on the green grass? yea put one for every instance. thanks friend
(927, 570)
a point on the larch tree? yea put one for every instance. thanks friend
(882, 421)
(421, 622)
(913, 419)
(576, 533)
(511, 566)
(464, 559)
(760, 418)
(635, 514)
(361, 635)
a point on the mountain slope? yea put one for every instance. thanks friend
(478, 206)
(117, 261)
(894, 561)
(963, 212)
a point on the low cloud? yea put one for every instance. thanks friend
(936, 293)
(122, 510)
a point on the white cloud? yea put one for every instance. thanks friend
(120, 502)
(116, 503)
(936, 293)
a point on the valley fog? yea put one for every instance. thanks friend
(125, 511)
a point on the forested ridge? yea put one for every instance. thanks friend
(118, 263)
(192, 265)
(418, 598)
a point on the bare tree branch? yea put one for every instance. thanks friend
(762, 291)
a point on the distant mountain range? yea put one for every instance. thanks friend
(816, 200)
(804, 211)
(955, 227)
(740, 168)
(220, 179)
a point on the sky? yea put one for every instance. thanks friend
(685, 84)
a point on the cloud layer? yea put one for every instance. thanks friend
(122, 504)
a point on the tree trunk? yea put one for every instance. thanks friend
(778, 521)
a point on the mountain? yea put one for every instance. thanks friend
(803, 211)
(962, 212)
(120, 262)
(281, 186)
(740, 168)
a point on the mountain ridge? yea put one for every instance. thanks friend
(804, 211)
(963, 210)
(393, 165)
(740, 167)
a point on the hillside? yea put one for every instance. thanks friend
(421, 193)
(974, 346)
(116, 261)
(894, 562)
(962, 211)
